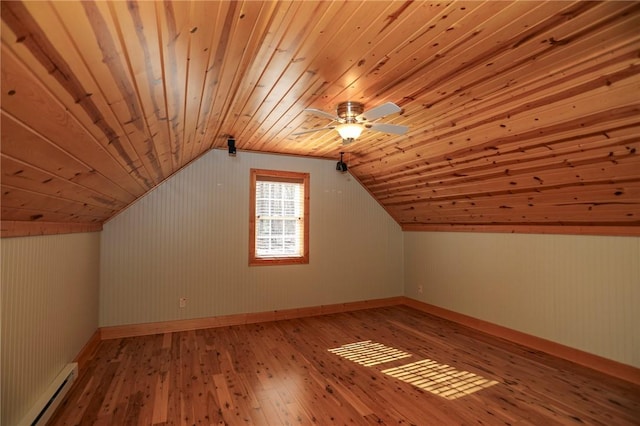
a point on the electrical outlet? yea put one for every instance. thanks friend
(420, 289)
(183, 302)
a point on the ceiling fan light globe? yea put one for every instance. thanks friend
(349, 131)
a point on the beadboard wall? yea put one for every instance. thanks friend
(49, 312)
(580, 291)
(189, 238)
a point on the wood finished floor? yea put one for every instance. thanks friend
(282, 373)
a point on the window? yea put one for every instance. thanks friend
(279, 218)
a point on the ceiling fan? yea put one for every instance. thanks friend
(352, 119)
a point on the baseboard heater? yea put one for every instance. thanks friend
(47, 404)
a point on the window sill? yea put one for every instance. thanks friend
(264, 261)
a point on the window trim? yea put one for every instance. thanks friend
(282, 176)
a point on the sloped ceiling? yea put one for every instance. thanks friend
(522, 115)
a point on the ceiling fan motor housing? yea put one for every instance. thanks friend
(349, 110)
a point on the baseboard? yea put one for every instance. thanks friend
(131, 330)
(89, 349)
(595, 362)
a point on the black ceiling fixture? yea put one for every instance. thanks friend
(231, 144)
(341, 166)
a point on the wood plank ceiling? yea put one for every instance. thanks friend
(521, 114)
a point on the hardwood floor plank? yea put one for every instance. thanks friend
(283, 373)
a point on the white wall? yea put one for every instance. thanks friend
(189, 238)
(49, 312)
(580, 291)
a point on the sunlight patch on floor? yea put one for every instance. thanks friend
(369, 353)
(440, 379)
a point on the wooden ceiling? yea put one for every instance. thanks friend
(522, 115)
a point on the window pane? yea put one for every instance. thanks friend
(289, 192)
(260, 190)
(276, 245)
(277, 227)
(276, 207)
(264, 227)
(290, 227)
(262, 208)
(276, 190)
(262, 245)
(291, 246)
(289, 208)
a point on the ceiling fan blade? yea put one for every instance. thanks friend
(379, 111)
(394, 129)
(322, 113)
(304, 132)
